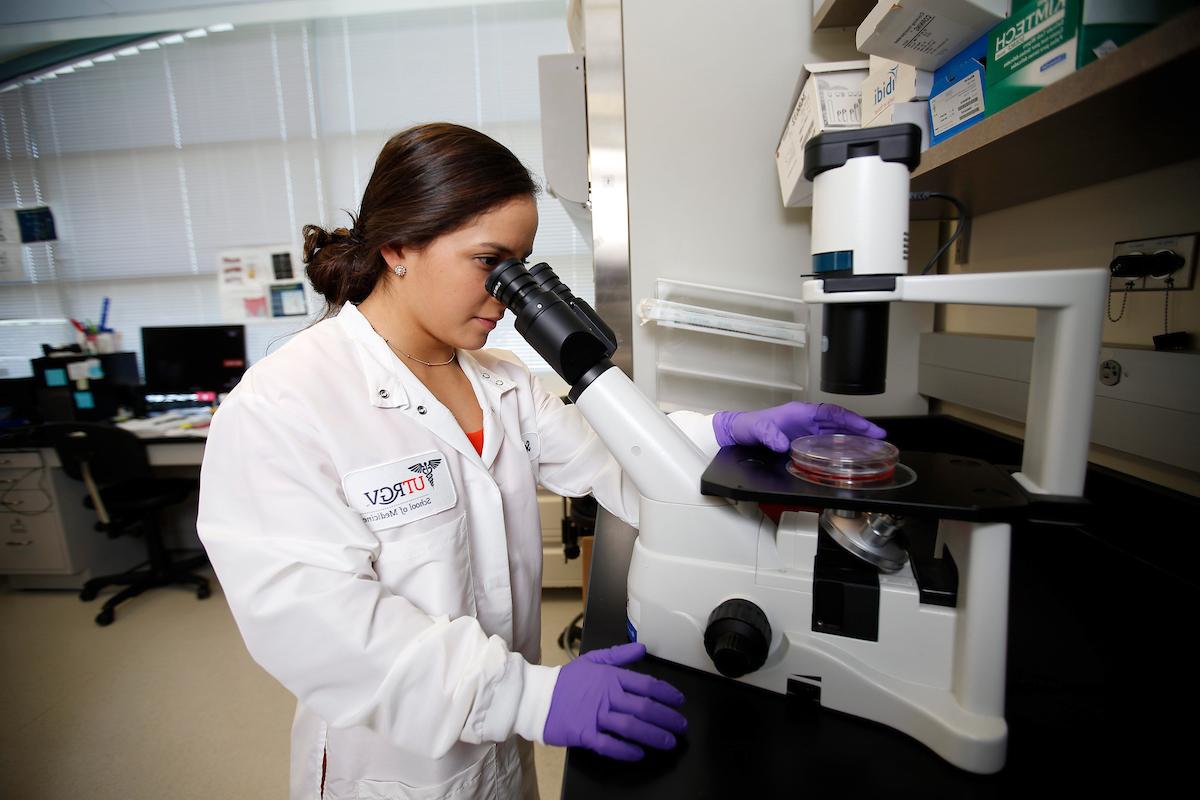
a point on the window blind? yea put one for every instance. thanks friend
(156, 160)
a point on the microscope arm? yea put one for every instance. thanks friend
(653, 451)
(1069, 305)
(656, 454)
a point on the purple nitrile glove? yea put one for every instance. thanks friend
(594, 698)
(776, 427)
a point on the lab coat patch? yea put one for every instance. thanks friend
(531, 441)
(401, 491)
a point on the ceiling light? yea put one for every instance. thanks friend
(127, 51)
(195, 34)
(220, 27)
(64, 70)
(174, 38)
(105, 57)
(87, 62)
(148, 46)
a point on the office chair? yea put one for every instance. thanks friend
(112, 464)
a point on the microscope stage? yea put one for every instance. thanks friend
(946, 486)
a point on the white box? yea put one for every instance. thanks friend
(830, 98)
(916, 112)
(892, 82)
(926, 33)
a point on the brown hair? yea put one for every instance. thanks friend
(429, 180)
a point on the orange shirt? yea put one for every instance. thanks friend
(477, 440)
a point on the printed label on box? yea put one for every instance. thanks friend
(839, 105)
(926, 33)
(1036, 23)
(959, 103)
(1105, 48)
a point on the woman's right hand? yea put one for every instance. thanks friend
(595, 698)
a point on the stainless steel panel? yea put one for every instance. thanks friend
(605, 85)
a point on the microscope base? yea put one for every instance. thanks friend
(912, 677)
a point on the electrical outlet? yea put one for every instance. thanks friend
(1183, 244)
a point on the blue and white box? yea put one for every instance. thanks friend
(958, 98)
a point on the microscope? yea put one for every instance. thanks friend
(887, 601)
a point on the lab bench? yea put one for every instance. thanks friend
(1099, 679)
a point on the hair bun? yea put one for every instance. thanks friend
(315, 237)
(334, 263)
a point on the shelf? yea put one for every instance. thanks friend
(841, 14)
(1124, 114)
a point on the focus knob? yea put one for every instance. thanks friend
(737, 637)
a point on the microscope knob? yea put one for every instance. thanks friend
(737, 637)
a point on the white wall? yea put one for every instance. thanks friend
(707, 93)
(1078, 229)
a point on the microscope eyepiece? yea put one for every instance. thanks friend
(562, 328)
(508, 281)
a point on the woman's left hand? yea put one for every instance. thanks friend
(776, 427)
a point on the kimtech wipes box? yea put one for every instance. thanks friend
(1034, 47)
(1105, 25)
(1045, 40)
(830, 98)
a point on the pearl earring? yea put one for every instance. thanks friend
(400, 270)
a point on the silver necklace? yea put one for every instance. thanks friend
(395, 349)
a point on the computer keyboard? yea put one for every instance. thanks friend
(193, 424)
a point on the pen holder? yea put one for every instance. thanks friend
(109, 342)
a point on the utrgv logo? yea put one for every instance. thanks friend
(386, 495)
(426, 468)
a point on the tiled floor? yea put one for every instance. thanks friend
(164, 703)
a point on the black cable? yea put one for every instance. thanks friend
(964, 222)
(571, 637)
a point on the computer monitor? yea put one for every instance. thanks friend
(193, 359)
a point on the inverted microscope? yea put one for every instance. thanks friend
(883, 592)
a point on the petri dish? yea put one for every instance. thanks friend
(838, 459)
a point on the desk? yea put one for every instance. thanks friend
(1099, 680)
(48, 538)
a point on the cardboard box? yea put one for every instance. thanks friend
(1034, 47)
(1045, 40)
(830, 98)
(958, 99)
(926, 33)
(916, 112)
(892, 82)
(1105, 25)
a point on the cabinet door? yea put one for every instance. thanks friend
(31, 538)
(20, 459)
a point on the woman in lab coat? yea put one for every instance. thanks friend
(368, 500)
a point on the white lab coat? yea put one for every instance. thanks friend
(387, 574)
